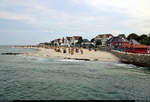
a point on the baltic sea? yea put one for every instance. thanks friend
(39, 78)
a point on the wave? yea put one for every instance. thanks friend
(70, 60)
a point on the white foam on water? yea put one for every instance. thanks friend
(121, 64)
(33, 58)
(70, 60)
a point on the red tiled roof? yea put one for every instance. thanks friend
(127, 45)
(77, 37)
(133, 46)
(52, 41)
(58, 39)
(104, 35)
(68, 38)
(139, 46)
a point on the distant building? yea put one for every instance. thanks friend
(67, 41)
(87, 43)
(117, 42)
(57, 42)
(122, 44)
(41, 44)
(148, 49)
(137, 48)
(133, 41)
(103, 38)
(75, 39)
(52, 42)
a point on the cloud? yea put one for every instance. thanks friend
(106, 16)
(131, 7)
(12, 16)
(136, 10)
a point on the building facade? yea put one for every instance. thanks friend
(67, 41)
(75, 39)
(116, 43)
(103, 38)
(122, 44)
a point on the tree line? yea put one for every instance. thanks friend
(143, 39)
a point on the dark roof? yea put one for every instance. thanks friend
(132, 41)
(117, 39)
(86, 40)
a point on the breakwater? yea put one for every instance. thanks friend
(26, 46)
(132, 58)
(11, 53)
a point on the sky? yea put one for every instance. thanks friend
(33, 21)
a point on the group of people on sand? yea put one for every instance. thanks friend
(70, 50)
(95, 49)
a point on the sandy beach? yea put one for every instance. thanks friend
(87, 55)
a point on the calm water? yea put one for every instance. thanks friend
(23, 77)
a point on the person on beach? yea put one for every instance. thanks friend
(95, 49)
(64, 50)
(55, 49)
(81, 50)
(90, 49)
(69, 50)
(72, 51)
(60, 50)
(77, 50)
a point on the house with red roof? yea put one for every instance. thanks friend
(67, 41)
(137, 48)
(116, 43)
(122, 44)
(103, 38)
(57, 42)
(75, 39)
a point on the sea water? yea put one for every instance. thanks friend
(39, 78)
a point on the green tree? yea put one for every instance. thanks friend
(133, 36)
(46, 43)
(79, 42)
(148, 41)
(143, 39)
(98, 42)
(122, 35)
(92, 40)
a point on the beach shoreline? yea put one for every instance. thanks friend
(86, 56)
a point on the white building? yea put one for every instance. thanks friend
(57, 42)
(67, 41)
(75, 39)
(103, 38)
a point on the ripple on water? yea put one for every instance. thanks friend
(25, 77)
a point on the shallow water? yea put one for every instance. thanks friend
(26, 77)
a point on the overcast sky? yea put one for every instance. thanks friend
(34, 21)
